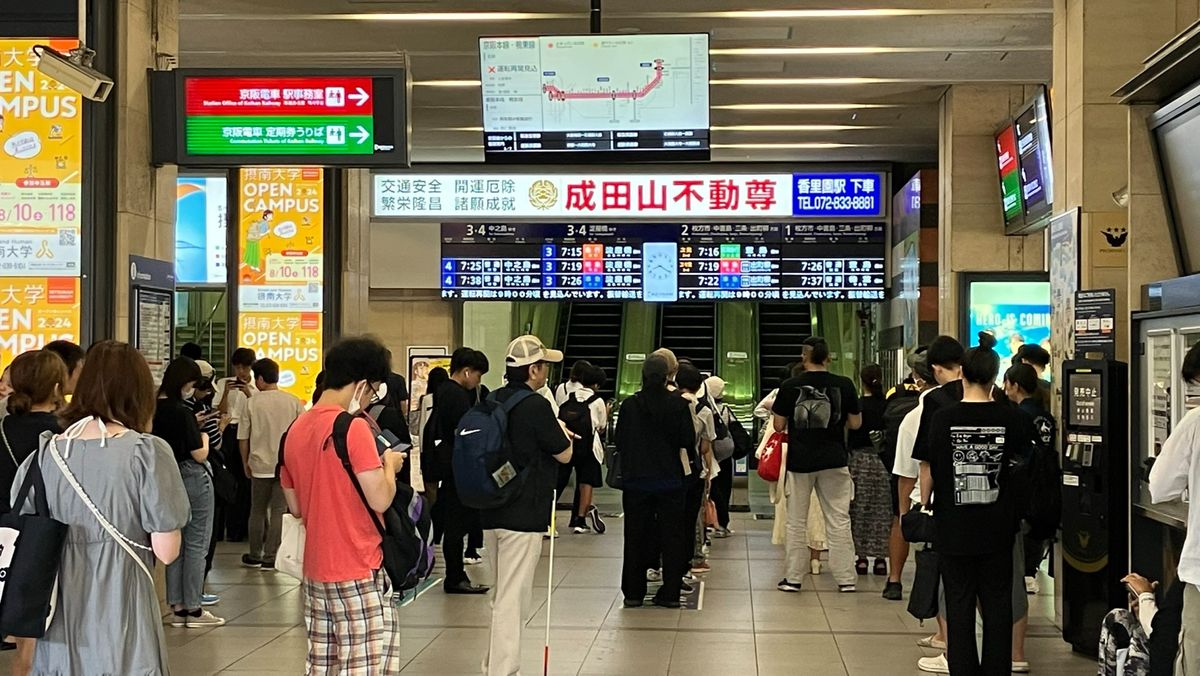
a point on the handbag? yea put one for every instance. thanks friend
(770, 463)
(223, 480)
(918, 525)
(710, 514)
(289, 560)
(612, 463)
(923, 597)
(30, 554)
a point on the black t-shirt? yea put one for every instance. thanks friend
(1044, 425)
(175, 424)
(22, 431)
(535, 437)
(872, 420)
(939, 398)
(450, 403)
(813, 450)
(971, 447)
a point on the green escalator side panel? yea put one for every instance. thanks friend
(838, 324)
(638, 329)
(537, 319)
(737, 354)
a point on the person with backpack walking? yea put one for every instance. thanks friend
(268, 415)
(586, 415)
(530, 442)
(870, 514)
(816, 408)
(968, 477)
(350, 622)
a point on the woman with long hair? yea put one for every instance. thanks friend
(107, 620)
(871, 509)
(176, 424)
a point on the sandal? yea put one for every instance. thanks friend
(880, 567)
(861, 566)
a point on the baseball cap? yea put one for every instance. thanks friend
(206, 374)
(528, 350)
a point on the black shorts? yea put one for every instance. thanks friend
(895, 484)
(587, 470)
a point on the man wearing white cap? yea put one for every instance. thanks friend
(513, 532)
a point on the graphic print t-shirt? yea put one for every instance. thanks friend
(971, 446)
(813, 450)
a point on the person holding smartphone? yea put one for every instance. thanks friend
(231, 397)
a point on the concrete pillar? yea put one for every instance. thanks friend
(145, 199)
(356, 252)
(970, 218)
(1098, 147)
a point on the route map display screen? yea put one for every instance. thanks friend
(662, 262)
(618, 97)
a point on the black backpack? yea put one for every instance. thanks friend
(578, 417)
(902, 403)
(1043, 484)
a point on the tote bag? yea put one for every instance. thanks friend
(289, 560)
(770, 462)
(30, 554)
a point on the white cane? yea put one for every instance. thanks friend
(550, 583)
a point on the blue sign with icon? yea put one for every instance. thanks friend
(838, 195)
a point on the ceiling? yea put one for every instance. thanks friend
(791, 81)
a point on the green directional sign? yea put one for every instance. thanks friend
(282, 134)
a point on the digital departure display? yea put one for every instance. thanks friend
(1033, 144)
(663, 262)
(615, 95)
(1010, 174)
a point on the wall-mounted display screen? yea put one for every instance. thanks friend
(618, 96)
(201, 223)
(1177, 135)
(1010, 175)
(1033, 145)
(1016, 312)
(663, 262)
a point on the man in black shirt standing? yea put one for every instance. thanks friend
(816, 408)
(539, 443)
(451, 402)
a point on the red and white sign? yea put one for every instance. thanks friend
(278, 95)
(637, 196)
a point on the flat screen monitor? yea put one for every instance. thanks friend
(1010, 177)
(1177, 136)
(1032, 129)
(604, 97)
(1016, 310)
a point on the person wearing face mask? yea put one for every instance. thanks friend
(268, 415)
(451, 402)
(175, 424)
(351, 624)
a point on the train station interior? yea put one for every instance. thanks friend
(607, 198)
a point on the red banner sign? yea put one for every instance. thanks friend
(279, 95)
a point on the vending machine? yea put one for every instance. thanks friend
(1095, 496)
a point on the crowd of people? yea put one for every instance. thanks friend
(141, 473)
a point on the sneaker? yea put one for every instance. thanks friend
(785, 586)
(690, 578)
(934, 665)
(701, 568)
(722, 533)
(472, 560)
(268, 564)
(204, 619)
(685, 588)
(251, 562)
(209, 599)
(893, 591)
(581, 529)
(1020, 667)
(847, 588)
(653, 575)
(932, 642)
(1032, 586)
(598, 525)
(179, 618)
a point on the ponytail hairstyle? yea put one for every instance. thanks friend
(981, 364)
(872, 380)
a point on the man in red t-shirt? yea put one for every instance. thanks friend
(351, 626)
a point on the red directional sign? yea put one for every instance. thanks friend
(249, 96)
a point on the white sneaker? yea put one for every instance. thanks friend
(932, 642)
(1032, 586)
(206, 619)
(934, 665)
(653, 575)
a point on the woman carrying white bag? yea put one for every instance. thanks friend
(119, 491)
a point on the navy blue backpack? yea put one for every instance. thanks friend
(483, 469)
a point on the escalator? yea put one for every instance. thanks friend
(592, 331)
(781, 329)
(690, 331)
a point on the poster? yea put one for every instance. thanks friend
(281, 239)
(291, 339)
(35, 311)
(419, 366)
(1096, 323)
(41, 156)
(201, 220)
(1016, 313)
(1062, 252)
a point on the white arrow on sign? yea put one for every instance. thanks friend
(361, 134)
(360, 97)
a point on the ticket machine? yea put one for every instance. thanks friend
(1095, 467)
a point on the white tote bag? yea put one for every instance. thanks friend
(290, 558)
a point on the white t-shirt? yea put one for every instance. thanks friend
(544, 390)
(906, 440)
(565, 390)
(266, 417)
(1175, 473)
(706, 428)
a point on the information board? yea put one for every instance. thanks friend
(1096, 323)
(614, 95)
(41, 164)
(663, 262)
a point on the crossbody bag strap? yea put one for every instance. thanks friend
(7, 445)
(117, 535)
(341, 430)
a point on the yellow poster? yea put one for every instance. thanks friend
(291, 339)
(35, 311)
(419, 367)
(280, 236)
(41, 160)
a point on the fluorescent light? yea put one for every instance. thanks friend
(850, 51)
(791, 127)
(452, 16)
(835, 13)
(445, 83)
(814, 81)
(783, 146)
(802, 106)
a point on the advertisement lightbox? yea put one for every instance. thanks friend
(1015, 309)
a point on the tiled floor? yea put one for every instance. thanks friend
(744, 627)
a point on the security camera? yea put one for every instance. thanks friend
(74, 70)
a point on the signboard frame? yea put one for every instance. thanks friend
(153, 280)
(169, 122)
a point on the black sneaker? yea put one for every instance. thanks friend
(665, 603)
(685, 588)
(251, 562)
(268, 564)
(597, 523)
(634, 603)
(893, 591)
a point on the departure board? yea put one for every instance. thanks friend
(663, 262)
(729, 261)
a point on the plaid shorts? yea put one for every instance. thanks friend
(351, 627)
